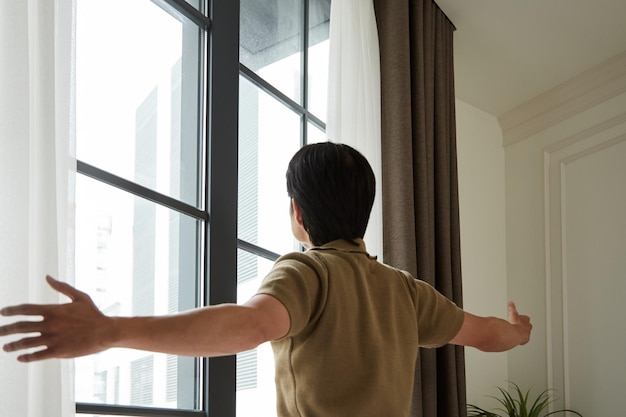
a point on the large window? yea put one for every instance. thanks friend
(180, 193)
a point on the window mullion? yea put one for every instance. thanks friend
(221, 193)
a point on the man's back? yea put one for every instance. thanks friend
(356, 326)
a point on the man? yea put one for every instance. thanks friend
(344, 327)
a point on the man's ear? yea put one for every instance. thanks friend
(297, 212)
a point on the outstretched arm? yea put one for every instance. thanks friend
(491, 334)
(78, 328)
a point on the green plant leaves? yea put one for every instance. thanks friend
(517, 404)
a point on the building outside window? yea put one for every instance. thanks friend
(148, 146)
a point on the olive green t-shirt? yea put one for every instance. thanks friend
(356, 326)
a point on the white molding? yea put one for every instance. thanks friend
(548, 267)
(564, 285)
(594, 86)
(587, 133)
(556, 158)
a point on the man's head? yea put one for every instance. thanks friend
(333, 185)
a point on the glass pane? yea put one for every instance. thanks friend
(197, 4)
(269, 135)
(314, 134)
(256, 390)
(135, 258)
(270, 42)
(319, 18)
(138, 95)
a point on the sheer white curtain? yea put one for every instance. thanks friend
(35, 177)
(354, 93)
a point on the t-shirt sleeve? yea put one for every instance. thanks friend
(297, 282)
(438, 318)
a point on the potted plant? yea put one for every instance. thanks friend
(518, 404)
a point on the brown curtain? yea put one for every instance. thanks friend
(419, 179)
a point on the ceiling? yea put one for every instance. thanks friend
(509, 51)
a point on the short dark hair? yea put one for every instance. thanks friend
(334, 186)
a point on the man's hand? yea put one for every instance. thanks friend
(78, 328)
(67, 330)
(491, 334)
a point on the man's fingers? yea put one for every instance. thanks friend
(21, 327)
(522, 322)
(25, 310)
(25, 343)
(513, 314)
(65, 289)
(41, 309)
(35, 356)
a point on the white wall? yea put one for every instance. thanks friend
(482, 215)
(566, 237)
(542, 197)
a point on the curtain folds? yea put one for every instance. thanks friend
(353, 114)
(36, 176)
(419, 176)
